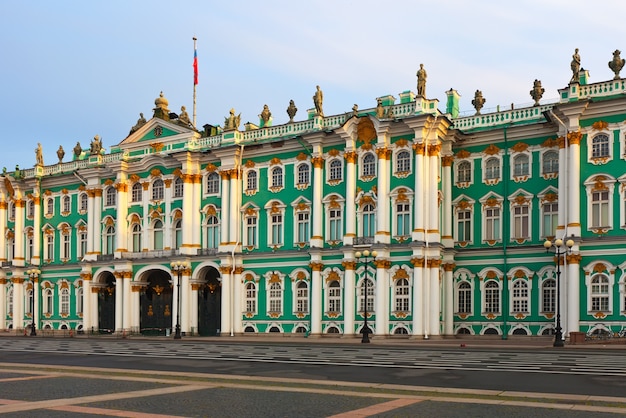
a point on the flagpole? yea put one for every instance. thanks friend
(195, 79)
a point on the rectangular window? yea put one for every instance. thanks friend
(548, 294)
(600, 209)
(464, 226)
(550, 219)
(303, 227)
(336, 227)
(464, 302)
(251, 231)
(520, 222)
(492, 223)
(277, 229)
(403, 219)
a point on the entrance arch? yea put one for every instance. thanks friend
(209, 302)
(106, 304)
(156, 303)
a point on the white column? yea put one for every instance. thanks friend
(195, 214)
(194, 308)
(237, 300)
(18, 255)
(448, 300)
(119, 301)
(432, 226)
(95, 322)
(121, 223)
(146, 239)
(316, 298)
(349, 289)
(381, 306)
(135, 307)
(317, 239)
(382, 217)
(18, 303)
(418, 292)
(225, 200)
(573, 189)
(234, 216)
(446, 182)
(34, 257)
(87, 318)
(126, 308)
(185, 325)
(226, 303)
(435, 297)
(419, 203)
(96, 223)
(168, 225)
(36, 292)
(3, 224)
(3, 305)
(350, 234)
(572, 283)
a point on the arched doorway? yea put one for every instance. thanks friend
(210, 303)
(106, 304)
(156, 304)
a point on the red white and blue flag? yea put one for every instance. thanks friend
(195, 67)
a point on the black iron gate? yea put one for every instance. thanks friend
(106, 306)
(210, 307)
(156, 305)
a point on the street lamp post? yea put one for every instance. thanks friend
(178, 267)
(366, 257)
(34, 275)
(559, 250)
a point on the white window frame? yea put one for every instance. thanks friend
(402, 166)
(369, 168)
(66, 204)
(334, 297)
(212, 231)
(463, 302)
(335, 171)
(83, 203)
(212, 183)
(251, 290)
(275, 292)
(600, 152)
(486, 303)
(519, 293)
(136, 193)
(592, 292)
(549, 169)
(276, 178)
(302, 175)
(466, 176)
(521, 166)
(486, 162)
(178, 191)
(64, 301)
(110, 197)
(252, 181)
(547, 295)
(402, 295)
(600, 183)
(488, 217)
(157, 192)
(301, 297)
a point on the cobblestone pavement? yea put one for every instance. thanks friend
(53, 391)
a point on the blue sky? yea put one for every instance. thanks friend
(72, 69)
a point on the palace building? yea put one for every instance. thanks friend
(266, 228)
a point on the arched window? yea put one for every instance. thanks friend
(464, 298)
(110, 198)
(30, 209)
(464, 172)
(136, 193)
(370, 296)
(492, 297)
(368, 168)
(48, 301)
(67, 204)
(369, 221)
(178, 233)
(109, 239)
(49, 206)
(275, 297)
(334, 296)
(157, 235)
(548, 296)
(492, 169)
(277, 177)
(550, 162)
(158, 189)
(521, 165)
(336, 170)
(304, 174)
(600, 146)
(251, 297)
(213, 183)
(79, 300)
(302, 297)
(10, 302)
(402, 292)
(600, 293)
(65, 301)
(520, 296)
(403, 162)
(136, 234)
(84, 200)
(12, 211)
(251, 180)
(29, 302)
(179, 187)
(212, 232)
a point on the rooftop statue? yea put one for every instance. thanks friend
(183, 118)
(537, 92)
(39, 154)
(355, 110)
(380, 110)
(421, 81)
(575, 65)
(60, 153)
(96, 145)
(265, 114)
(291, 110)
(77, 150)
(318, 100)
(232, 122)
(616, 64)
(478, 101)
(140, 122)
